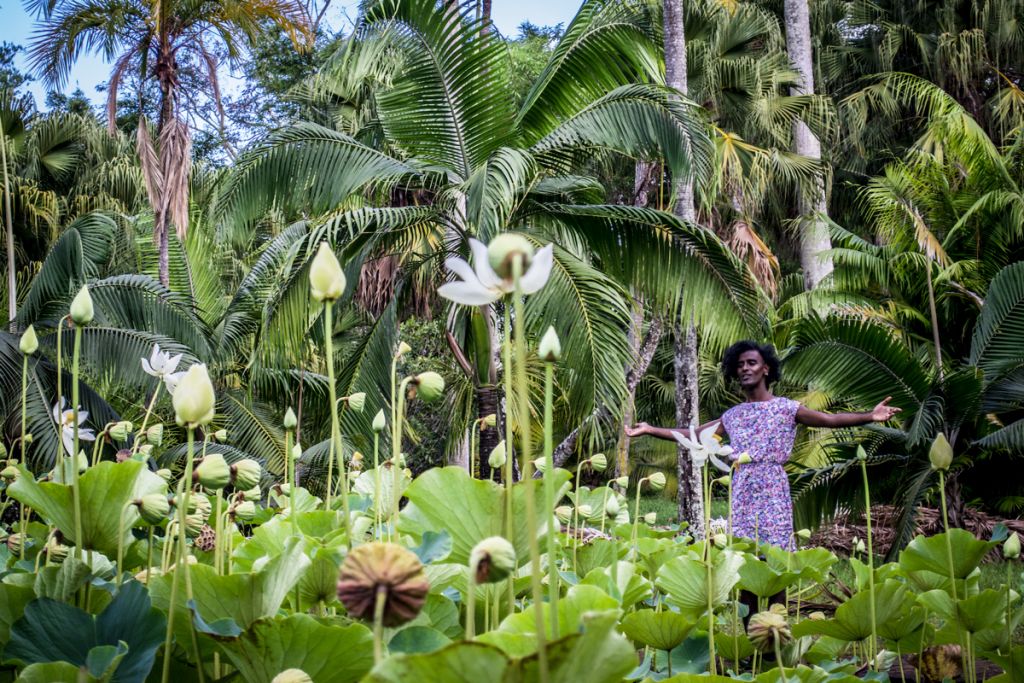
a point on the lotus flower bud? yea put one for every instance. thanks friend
(379, 421)
(407, 472)
(290, 421)
(622, 483)
(744, 459)
(403, 349)
(29, 341)
(550, 349)
(326, 278)
(598, 462)
(817, 616)
(725, 481)
(292, 676)
(9, 473)
(82, 311)
(27, 438)
(244, 511)
(213, 472)
(941, 453)
(221, 435)
(858, 546)
(165, 474)
(386, 567)
(766, 629)
(155, 434)
(861, 454)
(296, 451)
(720, 540)
(119, 431)
(1011, 547)
(540, 464)
(611, 507)
(492, 560)
(489, 422)
(194, 398)
(563, 513)
(246, 474)
(357, 401)
(504, 248)
(585, 511)
(496, 460)
(429, 386)
(804, 534)
(650, 518)
(153, 508)
(657, 481)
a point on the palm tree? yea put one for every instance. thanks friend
(157, 40)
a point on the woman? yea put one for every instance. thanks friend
(764, 426)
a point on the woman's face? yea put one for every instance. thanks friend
(751, 369)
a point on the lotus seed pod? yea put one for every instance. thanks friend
(489, 422)
(283, 489)
(496, 460)
(651, 518)
(611, 507)
(385, 567)
(146, 450)
(119, 431)
(29, 341)
(245, 474)
(599, 462)
(221, 435)
(55, 551)
(379, 421)
(563, 513)
(194, 524)
(165, 474)
(245, 511)
(9, 473)
(290, 421)
(194, 398)
(657, 481)
(744, 459)
(941, 453)
(550, 349)
(357, 401)
(252, 494)
(82, 311)
(768, 628)
(202, 506)
(153, 508)
(155, 434)
(326, 278)
(123, 454)
(292, 676)
(429, 386)
(504, 248)
(213, 472)
(15, 543)
(400, 460)
(622, 483)
(1011, 547)
(492, 559)
(861, 454)
(585, 511)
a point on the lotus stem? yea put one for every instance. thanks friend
(181, 564)
(335, 450)
(471, 605)
(871, 562)
(75, 493)
(473, 427)
(949, 541)
(778, 659)
(149, 552)
(509, 450)
(378, 623)
(1009, 611)
(549, 494)
(576, 513)
(710, 573)
(60, 394)
(218, 532)
(396, 448)
(120, 544)
(24, 405)
(145, 419)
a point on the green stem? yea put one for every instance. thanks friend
(396, 451)
(549, 494)
(218, 533)
(636, 518)
(24, 405)
(60, 395)
(378, 624)
(525, 441)
(471, 605)
(75, 493)
(576, 514)
(778, 660)
(145, 419)
(181, 564)
(871, 562)
(710, 572)
(949, 541)
(376, 484)
(120, 544)
(509, 451)
(472, 448)
(1009, 612)
(149, 552)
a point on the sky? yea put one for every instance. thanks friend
(90, 70)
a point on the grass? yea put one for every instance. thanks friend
(668, 511)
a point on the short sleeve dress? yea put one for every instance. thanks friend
(761, 505)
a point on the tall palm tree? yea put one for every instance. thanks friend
(156, 39)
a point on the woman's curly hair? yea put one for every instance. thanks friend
(731, 360)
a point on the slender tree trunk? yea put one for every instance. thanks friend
(814, 236)
(487, 404)
(684, 361)
(12, 281)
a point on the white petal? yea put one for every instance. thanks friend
(686, 442)
(707, 435)
(68, 439)
(171, 381)
(484, 273)
(172, 364)
(83, 415)
(148, 369)
(86, 434)
(461, 268)
(154, 356)
(725, 451)
(57, 415)
(721, 466)
(470, 294)
(539, 271)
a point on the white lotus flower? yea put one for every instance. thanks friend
(171, 381)
(482, 285)
(65, 418)
(705, 447)
(160, 363)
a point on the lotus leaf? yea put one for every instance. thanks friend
(852, 621)
(12, 605)
(660, 630)
(930, 553)
(418, 639)
(763, 580)
(684, 580)
(627, 586)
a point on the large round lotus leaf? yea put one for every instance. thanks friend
(684, 580)
(763, 580)
(932, 554)
(418, 639)
(852, 621)
(660, 630)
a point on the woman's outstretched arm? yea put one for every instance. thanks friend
(883, 412)
(644, 429)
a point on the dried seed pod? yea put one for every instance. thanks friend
(765, 628)
(492, 559)
(387, 568)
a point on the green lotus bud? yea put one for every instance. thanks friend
(82, 311)
(492, 559)
(290, 421)
(1011, 547)
(155, 434)
(563, 513)
(540, 464)
(357, 401)
(585, 511)
(489, 422)
(861, 454)
(245, 511)
(165, 474)
(858, 546)
(720, 540)
(650, 518)
(246, 474)
(599, 462)
(9, 473)
(504, 248)
(296, 451)
(725, 481)
(379, 421)
(194, 398)
(153, 508)
(767, 629)
(804, 534)
(941, 453)
(429, 386)
(744, 459)
(622, 482)
(496, 460)
(657, 481)
(326, 278)
(550, 349)
(119, 431)
(29, 341)
(213, 472)
(611, 507)
(386, 569)
(292, 676)
(221, 435)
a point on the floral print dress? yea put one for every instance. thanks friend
(761, 505)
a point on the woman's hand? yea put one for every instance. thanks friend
(639, 429)
(883, 412)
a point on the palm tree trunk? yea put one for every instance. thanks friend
(166, 76)
(487, 404)
(814, 237)
(684, 363)
(12, 282)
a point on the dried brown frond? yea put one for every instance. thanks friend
(150, 164)
(176, 164)
(748, 246)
